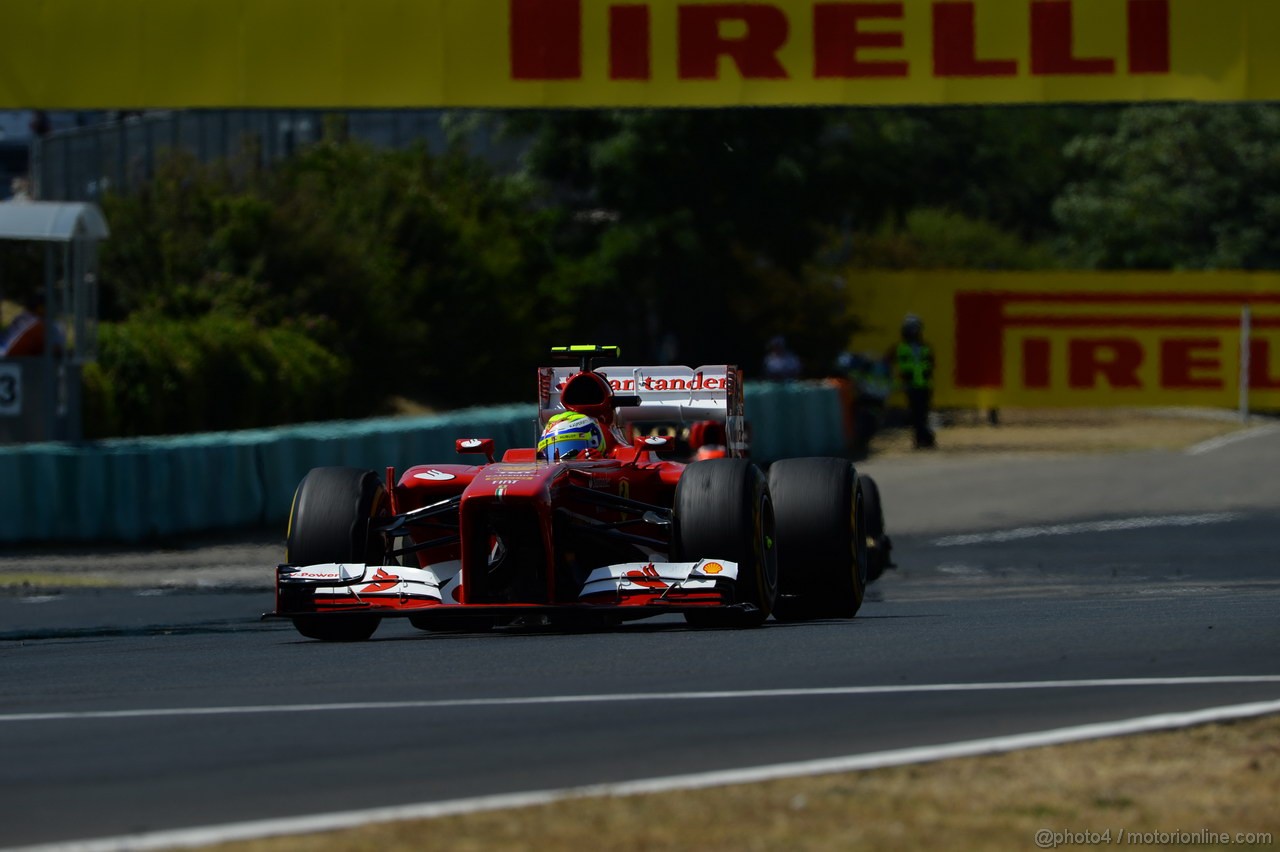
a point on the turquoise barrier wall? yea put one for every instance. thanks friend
(795, 419)
(131, 490)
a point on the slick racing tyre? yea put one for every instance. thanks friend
(878, 557)
(723, 511)
(820, 516)
(330, 521)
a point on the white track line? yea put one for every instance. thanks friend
(1119, 524)
(628, 697)
(850, 763)
(1232, 438)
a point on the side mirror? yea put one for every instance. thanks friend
(653, 443)
(475, 446)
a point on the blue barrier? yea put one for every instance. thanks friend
(795, 419)
(137, 489)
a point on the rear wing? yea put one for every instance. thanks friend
(679, 396)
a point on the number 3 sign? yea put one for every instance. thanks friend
(10, 390)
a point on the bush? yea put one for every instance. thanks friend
(157, 376)
(939, 239)
(394, 261)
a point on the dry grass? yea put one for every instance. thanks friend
(1216, 778)
(1065, 431)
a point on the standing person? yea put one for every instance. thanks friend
(780, 363)
(871, 383)
(40, 125)
(912, 359)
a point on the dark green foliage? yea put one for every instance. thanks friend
(727, 227)
(418, 274)
(937, 239)
(353, 275)
(21, 271)
(1002, 165)
(158, 375)
(1177, 187)
(691, 228)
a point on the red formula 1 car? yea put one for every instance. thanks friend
(587, 528)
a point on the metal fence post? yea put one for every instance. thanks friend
(1246, 329)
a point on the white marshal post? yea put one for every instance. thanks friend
(1246, 330)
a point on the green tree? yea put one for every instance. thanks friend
(1177, 187)
(421, 273)
(939, 239)
(1002, 165)
(726, 227)
(681, 224)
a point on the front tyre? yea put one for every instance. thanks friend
(330, 522)
(723, 511)
(822, 538)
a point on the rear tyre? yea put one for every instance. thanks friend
(820, 511)
(877, 541)
(330, 521)
(723, 511)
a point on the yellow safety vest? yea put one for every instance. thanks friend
(914, 364)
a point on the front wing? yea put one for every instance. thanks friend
(393, 590)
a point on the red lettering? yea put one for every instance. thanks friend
(629, 41)
(955, 44)
(1052, 42)
(1260, 375)
(1150, 41)
(1035, 363)
(1180, 364)
(980, 326)
(546, 39)
(837, 38)
(755, 53)
(1086, 363)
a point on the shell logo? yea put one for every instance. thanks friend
(712, 568)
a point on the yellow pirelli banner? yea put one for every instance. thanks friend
(1083, 339)
(563, 53)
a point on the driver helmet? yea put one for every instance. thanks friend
(570, 434)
